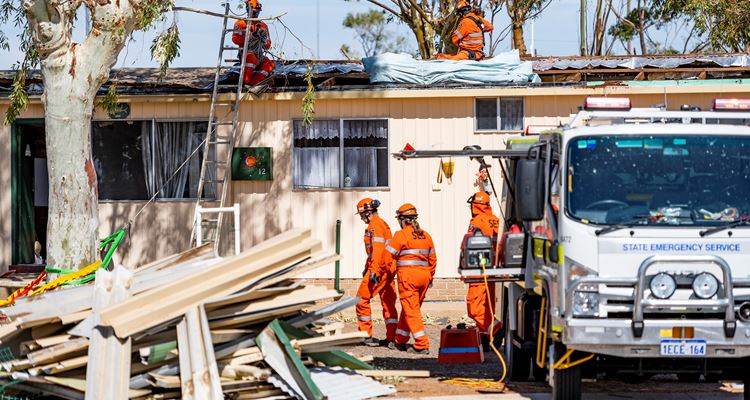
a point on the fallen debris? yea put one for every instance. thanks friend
(191, 326)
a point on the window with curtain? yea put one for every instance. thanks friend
(332, 154)
(134, 159)
(501, 114)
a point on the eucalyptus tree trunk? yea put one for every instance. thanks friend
(73, 74)
(518, 40)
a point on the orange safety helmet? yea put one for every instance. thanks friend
(462, 4)
(367, 204)
(407, 211)
(254, 4)
(480, 203)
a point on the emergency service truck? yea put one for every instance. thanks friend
(634, 252)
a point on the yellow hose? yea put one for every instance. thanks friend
(485, 383)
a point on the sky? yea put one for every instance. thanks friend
(321, 34)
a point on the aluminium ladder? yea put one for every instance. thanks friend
(215, 174)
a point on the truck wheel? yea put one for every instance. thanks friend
(746, 391)
(567, 384)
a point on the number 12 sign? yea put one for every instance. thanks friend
(252, 164)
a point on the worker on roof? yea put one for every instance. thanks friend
(414, 252)
(469, 35)
(376, 280)
(258, 67)
(480, 300)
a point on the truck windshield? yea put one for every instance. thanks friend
(658, 180)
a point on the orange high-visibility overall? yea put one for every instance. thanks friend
(416, 261)
(478, 303)
(377, 236)
(469, 37)
(257, 66)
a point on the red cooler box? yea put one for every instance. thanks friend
(460, 346)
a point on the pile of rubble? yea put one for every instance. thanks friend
(190, 326)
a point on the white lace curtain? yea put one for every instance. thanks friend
(164, 150)
(317, 160)
(316, 166)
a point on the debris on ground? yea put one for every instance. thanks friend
(190, 326)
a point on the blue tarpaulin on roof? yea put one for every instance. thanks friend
(404, 68)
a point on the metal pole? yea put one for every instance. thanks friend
(533, 39)
(337, 283)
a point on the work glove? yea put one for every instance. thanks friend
(430, 286)
(374, 278)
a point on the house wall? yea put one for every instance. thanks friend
(441, 119)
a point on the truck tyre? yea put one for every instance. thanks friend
(746, 390)
(567, 384)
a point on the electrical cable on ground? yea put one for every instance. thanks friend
(486, 383)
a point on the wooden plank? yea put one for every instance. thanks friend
(175, 298)
(60, 366)
(321, 343)
(58, 352)
(317, 260)
(205, 250)
(306, 294)
(383, 373)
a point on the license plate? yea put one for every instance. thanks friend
(683, 348)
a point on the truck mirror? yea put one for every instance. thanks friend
(529, 184)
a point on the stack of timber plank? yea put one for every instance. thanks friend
(191, 326)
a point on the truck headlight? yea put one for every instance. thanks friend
(662, 285)
(585, 304)
(705, 285)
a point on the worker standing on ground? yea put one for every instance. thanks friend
(376, 280)
(258, 67)
(478, 301)
(469, 35)
(414, 252)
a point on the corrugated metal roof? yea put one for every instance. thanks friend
(639, 62)
(344, 384)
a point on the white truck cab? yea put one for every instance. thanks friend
(636, 250)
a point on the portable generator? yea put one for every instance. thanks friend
(478, 251)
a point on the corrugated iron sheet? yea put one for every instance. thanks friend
(728, 60)
(344, 384)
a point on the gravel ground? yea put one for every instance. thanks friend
(384, 358)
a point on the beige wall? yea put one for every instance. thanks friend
(437, 119)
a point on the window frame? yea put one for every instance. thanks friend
(153, 121)
(499, 117)
(341, 186)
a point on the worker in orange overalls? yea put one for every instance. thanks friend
(258, 67)
(376, 280)
(469, 35)
(414, 252)
(478, 301)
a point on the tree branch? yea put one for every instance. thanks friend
(385, 7)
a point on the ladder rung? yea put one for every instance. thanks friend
(236, 60)
(230, 48)
(233, 30)
(223, 123)
(219, 142)
(210, 220)
(212, 181)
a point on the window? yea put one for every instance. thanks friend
(135, 159)
(498, 114)
(333, 154)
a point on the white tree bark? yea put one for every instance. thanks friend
(73, 73)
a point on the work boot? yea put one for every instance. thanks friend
(413, 350)
(371, 342)
(386, 343)
(396, 346)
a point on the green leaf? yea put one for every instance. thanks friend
(19, 98)
(165, 48)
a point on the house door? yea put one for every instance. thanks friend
(30, 187)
